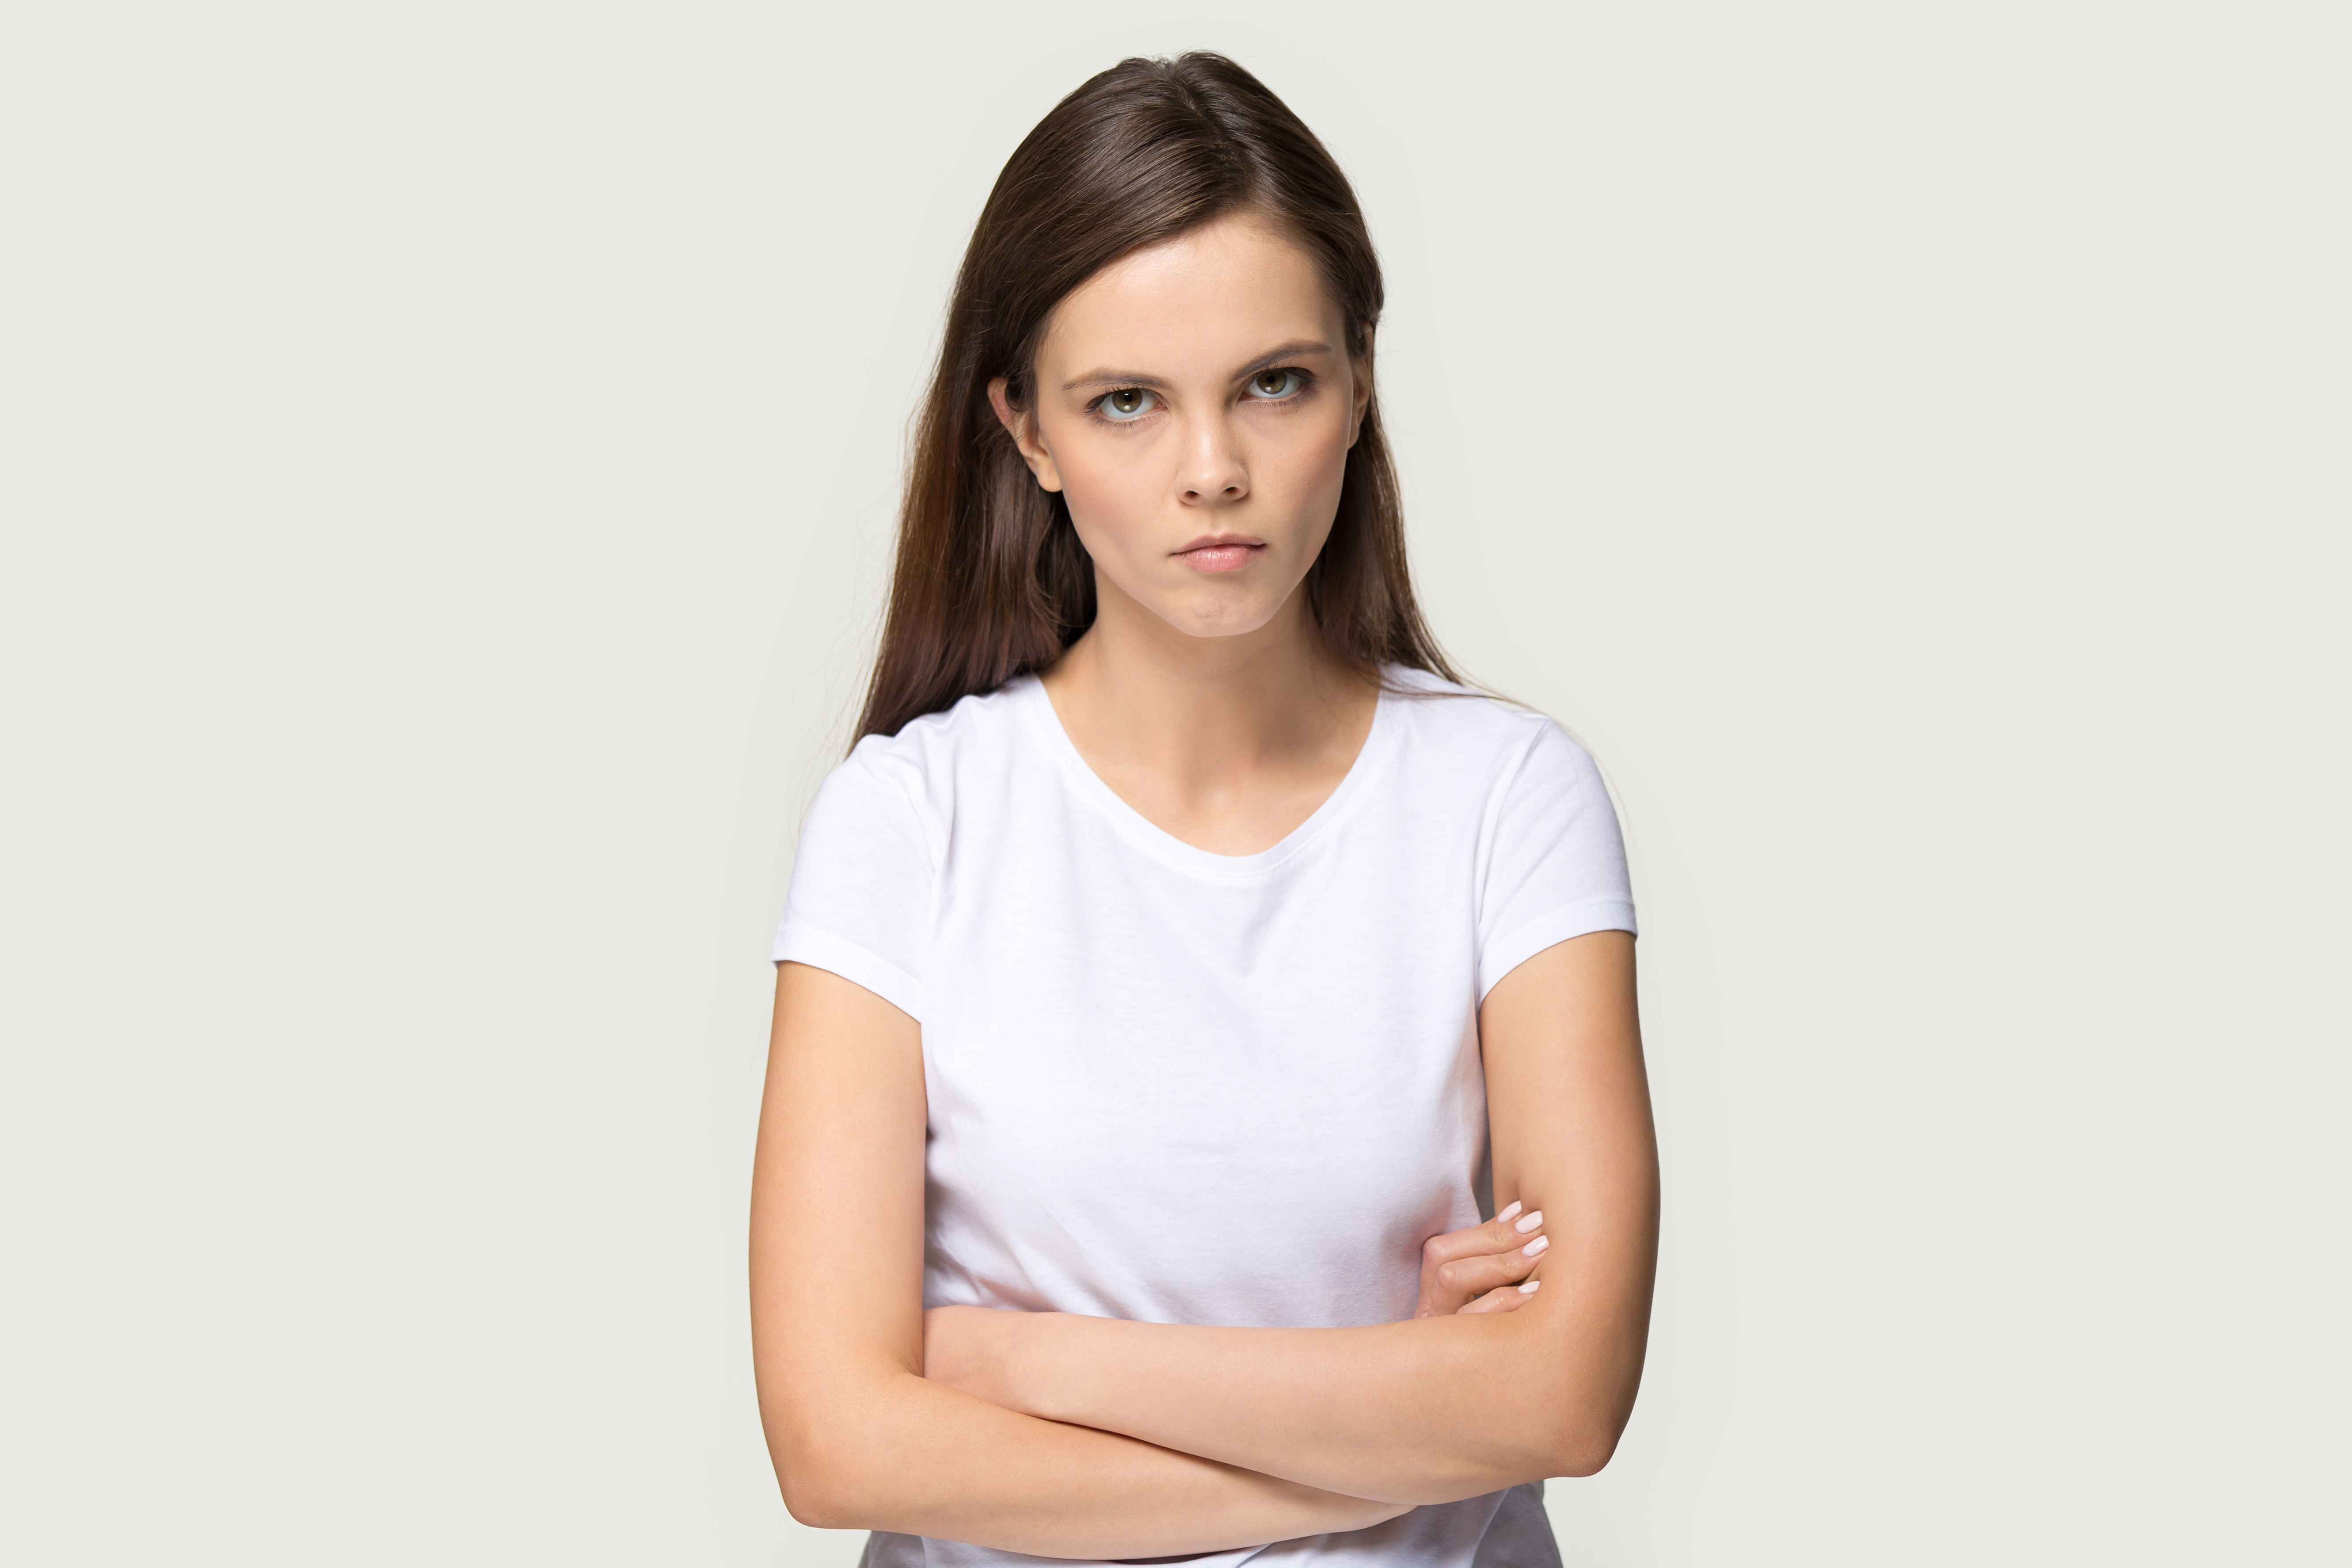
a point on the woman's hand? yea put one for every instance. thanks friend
(1485, 1268)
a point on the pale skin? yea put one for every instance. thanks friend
(1195, 403)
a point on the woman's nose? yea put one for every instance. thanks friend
(1213, 471)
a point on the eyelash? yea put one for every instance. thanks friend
(1306, 384)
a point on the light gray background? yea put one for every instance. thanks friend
(449, 459)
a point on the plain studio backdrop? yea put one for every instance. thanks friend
(449, 457)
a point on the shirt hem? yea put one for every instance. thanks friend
(821, 950)
(1561, 925)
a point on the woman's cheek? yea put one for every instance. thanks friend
(1111, 507)
(1304, 480)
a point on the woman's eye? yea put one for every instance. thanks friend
(1274, 384)
(1128, 403)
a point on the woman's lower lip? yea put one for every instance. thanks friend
(1220, 557)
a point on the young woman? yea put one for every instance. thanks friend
(1182, 962)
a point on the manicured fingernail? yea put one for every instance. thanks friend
(1537, 1246)
(1531, 1286)
(1529, 1223)
(1508, 1212)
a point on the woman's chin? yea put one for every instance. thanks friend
(1210, 616)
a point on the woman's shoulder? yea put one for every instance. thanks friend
(924, 758)
(1478, 728)
(896, 796)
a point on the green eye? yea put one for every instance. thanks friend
(1272, 385)
(1127, 402)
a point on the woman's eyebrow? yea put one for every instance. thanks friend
(1114, 378)
(1288, 350)
(1133, 378)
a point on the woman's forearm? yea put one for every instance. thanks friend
(915, 1456)
(1419, 1411)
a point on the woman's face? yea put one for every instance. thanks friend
(1194, 405)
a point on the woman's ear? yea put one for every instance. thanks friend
(1361, 364)
(1022, 427)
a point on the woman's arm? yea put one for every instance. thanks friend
(1441, 1408)
(860, 1439)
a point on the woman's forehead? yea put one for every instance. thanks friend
(1231, 288)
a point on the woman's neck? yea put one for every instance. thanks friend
(1226, 742)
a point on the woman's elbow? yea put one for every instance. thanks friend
(1584, 1451)
(1585, 1409)
(1581, 1441)
(823, 1485)
(814, 1492)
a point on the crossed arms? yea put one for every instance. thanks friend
(1070, 1436)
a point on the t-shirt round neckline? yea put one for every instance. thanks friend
(1157, 841)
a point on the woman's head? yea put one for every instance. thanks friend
(1194, 404)
(1162, 328)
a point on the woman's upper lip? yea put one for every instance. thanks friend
(1211, 541)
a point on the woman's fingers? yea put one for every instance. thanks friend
(1505, 1297)
(1505, 1232)
(1463, 1265)
(1456, 1284)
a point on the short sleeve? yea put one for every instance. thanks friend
(860, 904)
(1555, 865)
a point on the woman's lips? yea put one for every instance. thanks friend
(1221, 554)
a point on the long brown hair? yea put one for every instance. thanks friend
(991, 579)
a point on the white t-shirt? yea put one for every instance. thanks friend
(1188, 1088)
